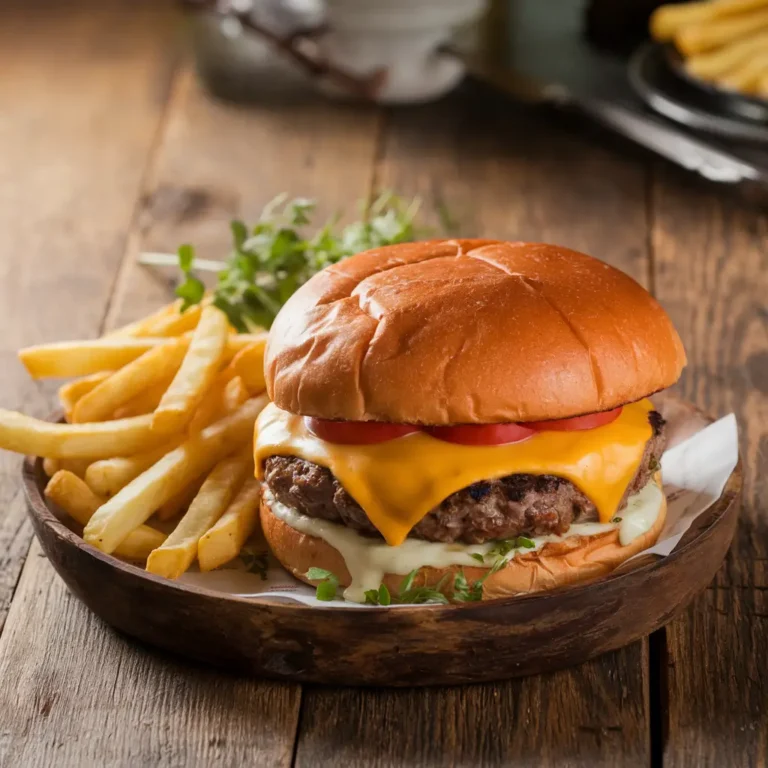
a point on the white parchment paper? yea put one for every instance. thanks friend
(695, 472)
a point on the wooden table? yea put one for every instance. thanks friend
(107, 146)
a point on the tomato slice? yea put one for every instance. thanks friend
(356, 432)
(481, 434)
(590, 421)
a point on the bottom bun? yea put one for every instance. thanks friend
(571, 561)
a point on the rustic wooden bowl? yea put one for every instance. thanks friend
(422, 645)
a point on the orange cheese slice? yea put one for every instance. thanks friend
(399, 481)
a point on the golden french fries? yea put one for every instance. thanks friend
(24, 434)
(746, 78)
(160, 420)
(668, 20)
(142, 326)
(226, 538)
(145, 402)
(179, 503)
(196, 374)
(153, 367)
(714, 33)
(717, 63)
(235, 394)
(176, 323)
(75, 466)
(724, 42)
(73, 391)
(248, 363)
(135, 503)
(240, 341)
(107, 476)
(82, 358)
(69, 492)
(180, 548)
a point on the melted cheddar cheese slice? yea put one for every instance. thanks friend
(399, 481)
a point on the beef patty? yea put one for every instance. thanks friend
(491, 509)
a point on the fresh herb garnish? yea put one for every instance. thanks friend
(503, 547)
(255, 562)
(615, 519)
(653, 464)
(477, 556)
(272, 259)
(328, 586)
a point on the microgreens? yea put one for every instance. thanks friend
(272, 259)
(328, 586)
(255, 562)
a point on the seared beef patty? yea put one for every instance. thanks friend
(491, 509)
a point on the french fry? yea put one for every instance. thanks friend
(144, 402)
(176, 323)
(180, 548)
(69, 492)
(135, 503)
(746, 78)
(709, 66)
(239, 341)
(226, 538)
(140, 327)
(82, 358)
(211, 407)
(714, 33)
(153, 367)
(71, 392)
(107, 476)
(195, 375)
(179, 504)
(249, 365)
(235, 394)
(24, 434)
(75, 466)
(668, 20)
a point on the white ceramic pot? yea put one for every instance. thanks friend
(401, 37)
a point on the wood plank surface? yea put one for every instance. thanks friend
(90, 104)
(219, 161)
(214, 161)
(75, 693)
(711, 257)
(502, 173)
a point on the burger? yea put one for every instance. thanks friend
(462, 420)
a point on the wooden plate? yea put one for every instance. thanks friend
(424, 645)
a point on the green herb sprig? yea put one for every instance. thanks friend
(328, 586)
(270, 260)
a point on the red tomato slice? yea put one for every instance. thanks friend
(356, 432)
(590, 421)
(481, 434)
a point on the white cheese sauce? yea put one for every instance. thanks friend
(369, 559)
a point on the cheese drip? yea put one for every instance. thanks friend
(399, 481)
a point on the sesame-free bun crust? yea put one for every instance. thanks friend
(469, 331)
(574, 560)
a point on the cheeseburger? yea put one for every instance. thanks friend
(473, 413)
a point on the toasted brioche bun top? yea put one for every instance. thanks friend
(469, 331)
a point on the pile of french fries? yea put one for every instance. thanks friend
(724, 42)
(155, 459)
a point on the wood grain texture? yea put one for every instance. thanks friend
(79, 91)
(75, 693)
(502, 172)
(220, 161)
(711, 256)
